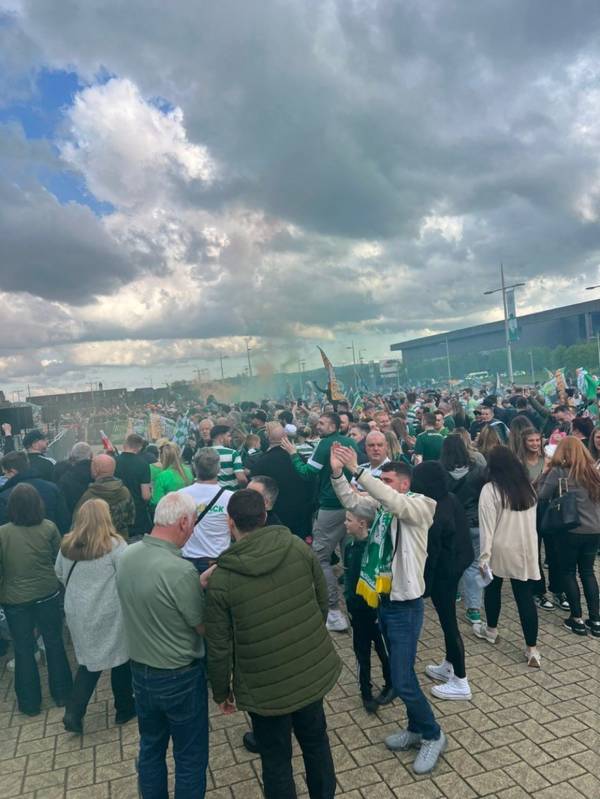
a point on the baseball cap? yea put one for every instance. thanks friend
(32, 436)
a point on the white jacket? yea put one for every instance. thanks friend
(415, 513)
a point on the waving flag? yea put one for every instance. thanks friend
(333, 390)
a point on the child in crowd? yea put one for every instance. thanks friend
(365, 630)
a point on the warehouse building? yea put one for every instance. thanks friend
(568, 325)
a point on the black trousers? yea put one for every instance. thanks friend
(274, 738)
(45, 616)
(523, 594)
(366, 632)
(85, 682)
(578, 552)
(555, 577)
(443, 596)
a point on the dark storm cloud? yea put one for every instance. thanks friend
(59, 252)
(344, 120)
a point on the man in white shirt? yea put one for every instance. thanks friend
(211, 534)
(377, 452)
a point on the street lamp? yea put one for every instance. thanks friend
(504, 288)
(221, 357)
(248, 351)
(354, 364)
(590, 288)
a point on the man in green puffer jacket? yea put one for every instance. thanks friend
(266, 607)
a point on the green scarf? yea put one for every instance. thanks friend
(376, 567)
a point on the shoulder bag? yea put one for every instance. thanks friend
(561, 515)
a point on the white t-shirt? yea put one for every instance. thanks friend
(211, 536)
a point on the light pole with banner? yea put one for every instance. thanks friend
(511, 328)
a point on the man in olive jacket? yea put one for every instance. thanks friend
(267, 602)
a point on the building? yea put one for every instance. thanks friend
(568, 325)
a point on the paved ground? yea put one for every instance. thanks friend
(526, 733)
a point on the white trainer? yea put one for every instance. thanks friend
(441, 673)
(481, 631)
(336, 621)
(455, 688)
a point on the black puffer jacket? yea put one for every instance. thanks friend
(449, 547)
(466, 487)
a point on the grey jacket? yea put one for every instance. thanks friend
(589, 511)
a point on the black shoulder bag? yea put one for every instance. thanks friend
(561, 515)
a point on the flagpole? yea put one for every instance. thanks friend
(504, 288)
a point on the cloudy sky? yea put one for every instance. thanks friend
(178, 178)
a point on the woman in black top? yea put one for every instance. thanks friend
(449, 553)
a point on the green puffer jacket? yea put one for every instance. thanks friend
(266, 607)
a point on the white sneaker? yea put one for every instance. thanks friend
(402, 740)
(429, 754)
(11, 663)
(455, 688)
(336, 621)
(481, 631)
(441, 673)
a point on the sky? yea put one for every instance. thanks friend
(180, 181)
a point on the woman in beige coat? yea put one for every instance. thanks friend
(507, 524)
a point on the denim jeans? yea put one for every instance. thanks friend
(172, 703)
(274, 737)
(401, 624)
(45, 615)
(470, 590)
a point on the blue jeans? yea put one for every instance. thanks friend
(401, 624)
(172, 703)
(472, 593)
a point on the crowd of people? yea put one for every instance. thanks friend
(231, 561)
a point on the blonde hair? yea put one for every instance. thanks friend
(93, 532)
(572, 455)
(488, 440)
(170, 459)
(393, 445)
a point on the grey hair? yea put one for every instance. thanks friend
(172, 507)
(270, 486)
(206, 463)
(81, 451)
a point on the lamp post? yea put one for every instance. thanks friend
(248, 351)
(221, 358)
(532, 369)
(591, 288)
(448, 362)
(504, 288)
(354, 364)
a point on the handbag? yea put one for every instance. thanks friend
(561, 515)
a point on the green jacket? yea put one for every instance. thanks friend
(27, 557)
(318, 467)
(120, 502)
(266, 607)
(168, 480)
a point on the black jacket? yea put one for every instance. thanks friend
(74, 482)
(293, 504)
(41, 466)
(449, 547)
(54, 502)
(467, 490)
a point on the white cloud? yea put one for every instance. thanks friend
(127, 148)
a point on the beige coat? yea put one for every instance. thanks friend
(508, 537)
(414, 512)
